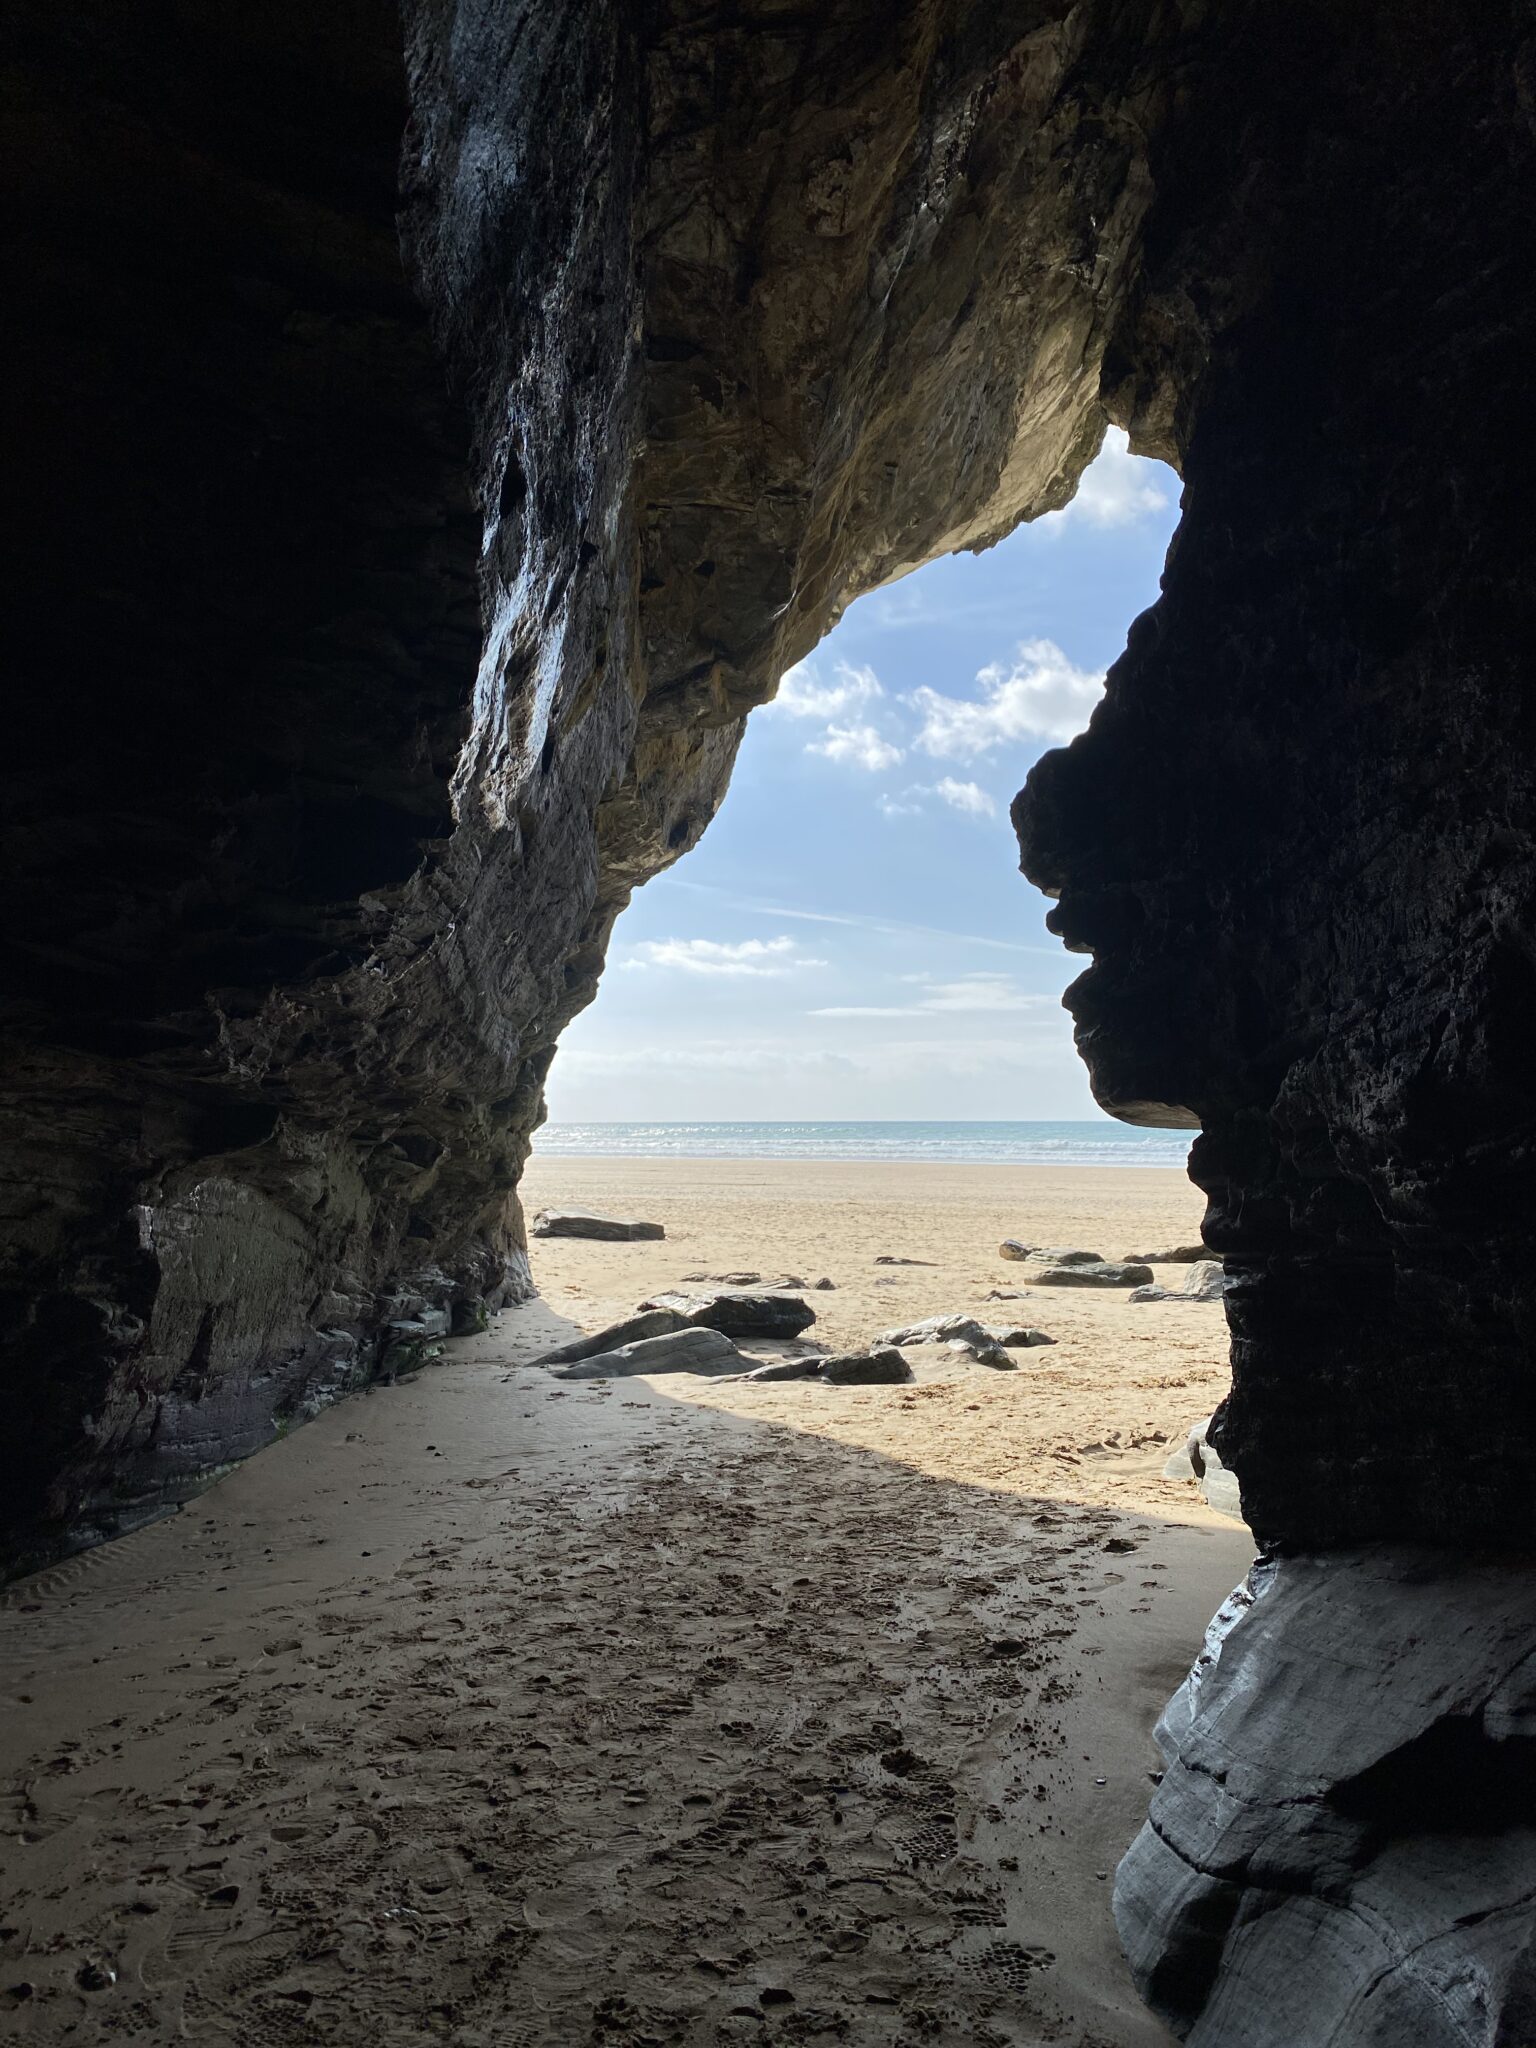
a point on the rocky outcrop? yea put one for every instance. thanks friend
(1343, 1847)
(1296, 838)
(401, 553)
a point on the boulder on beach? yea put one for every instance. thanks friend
(737, 1314)
(1101, 1273)
(877, 1367)
(687, 1350)
(1175, 1255)
(583, 1223)
(653, 1322)
(986, 1344)
(988, 1354)
(1012, 1248)
(786, 1369)
(721, 1279)
(939, 1330)
(1205, 1282)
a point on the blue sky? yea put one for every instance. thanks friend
(852, 937)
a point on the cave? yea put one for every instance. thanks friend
(433, 429)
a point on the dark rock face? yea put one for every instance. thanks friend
(1343, 1847)
(382, 620)
(1297, 837)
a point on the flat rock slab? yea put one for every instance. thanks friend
(654, 1322)
(1102, 1273)
(1342, 1851)
(879, 1367)
(1205, 1282)
(1175, 1255)
(738, 1314)
(722, 1279)
(583, 1223)
(686, 1350)
(1047, 1255)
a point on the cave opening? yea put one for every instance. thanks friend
(850, 941)
(433, 429)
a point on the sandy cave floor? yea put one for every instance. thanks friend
(499, 1712)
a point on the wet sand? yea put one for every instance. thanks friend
(493, 1711)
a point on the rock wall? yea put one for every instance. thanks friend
(1298, 835)
(1342, 1851)
(402, 542)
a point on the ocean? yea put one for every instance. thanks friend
(955, 1144)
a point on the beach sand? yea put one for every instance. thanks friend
(495, 1711)
(1091, 1418)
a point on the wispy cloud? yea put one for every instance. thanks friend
(1043, 695)
(804, 692)
(752, 957)
(1117, 489)
(970, 995)
(889, 927)
(967, 797)
(858, 745)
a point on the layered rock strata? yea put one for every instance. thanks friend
(1343, 1847)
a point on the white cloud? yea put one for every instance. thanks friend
(968, 797)
(758, 957)
(972, 993)
(858, 745)
(965, 796)
(1117, 488)
(1042, 696)
(803, 693)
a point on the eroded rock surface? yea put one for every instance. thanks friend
(1343, 1848)
(401, 553)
